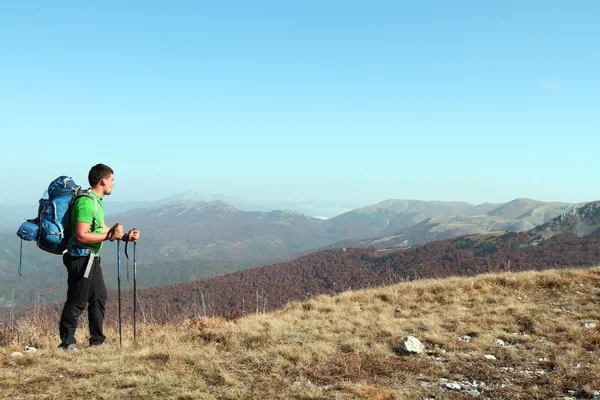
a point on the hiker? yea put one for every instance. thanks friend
(82, 260)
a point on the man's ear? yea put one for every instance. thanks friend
(103, 182)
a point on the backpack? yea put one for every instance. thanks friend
(51, 229)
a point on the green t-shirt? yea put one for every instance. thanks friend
(83, 211)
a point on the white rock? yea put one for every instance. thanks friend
(489, 357)
(16, 354)
(412, 345)
(589, 325)
(30, 349)
(500, 342)
(453, 386)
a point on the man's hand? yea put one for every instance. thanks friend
(116, 232)
(133, 235)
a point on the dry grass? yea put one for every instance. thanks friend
(343, 347)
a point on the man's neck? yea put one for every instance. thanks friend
(98, 190)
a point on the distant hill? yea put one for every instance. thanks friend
(394, 217)
(581, 221)
(214, 237)
(434, 221)
(335, 270)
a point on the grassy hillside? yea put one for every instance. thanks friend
(536, 325)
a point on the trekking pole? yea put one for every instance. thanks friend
(134, 292)
(119, 287)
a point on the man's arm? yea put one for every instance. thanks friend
(84, 237)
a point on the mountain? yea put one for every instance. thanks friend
(390, 216)
(188, 230)
(335, 270)
(202, 238)
(12, 216)
(409, 222)
(581, 221)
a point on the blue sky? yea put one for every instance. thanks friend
(348, 101)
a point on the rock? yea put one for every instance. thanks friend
(410, 345)
(500, 342)
(16, 354)
(589, 325)
(30, 349)
(452, 386)
(473, 382)
(489, 357)
(465, 338)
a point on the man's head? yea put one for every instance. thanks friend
(101, 177)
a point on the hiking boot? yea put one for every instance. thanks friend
(72, 348)
(103, 345)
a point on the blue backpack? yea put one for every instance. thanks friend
(52, 228)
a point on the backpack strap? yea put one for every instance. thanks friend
(86, 250)
(87, 193)
(95, 208)
(21, 258)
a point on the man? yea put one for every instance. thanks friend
(82, 260)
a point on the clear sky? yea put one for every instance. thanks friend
(349, 101)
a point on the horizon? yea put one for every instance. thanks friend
(342, 102)
(210, 197)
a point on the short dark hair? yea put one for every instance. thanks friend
(99, 172)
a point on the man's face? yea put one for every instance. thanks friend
(108, 183)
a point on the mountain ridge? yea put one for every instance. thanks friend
(222, 236)
(335, 270)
